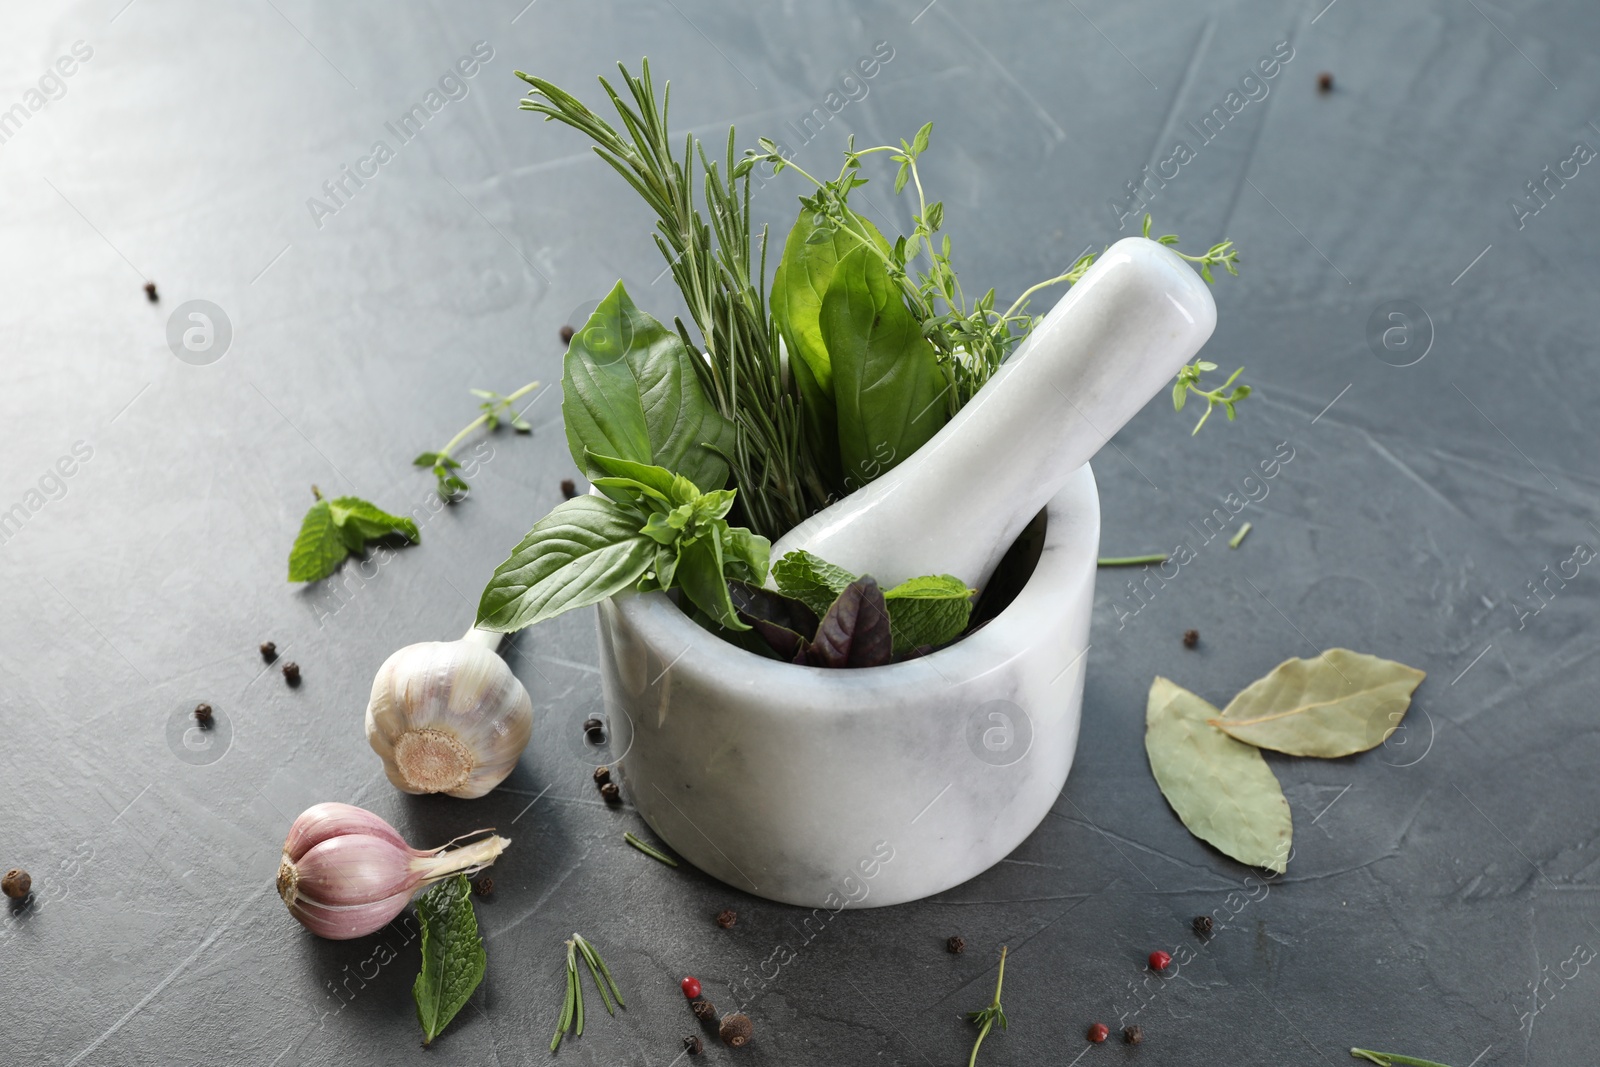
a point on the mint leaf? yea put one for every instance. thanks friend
(334, 529)
(318, 550)
(453, 959)
(587, 549)
(931, 610)
(807, 578)
(371, 521)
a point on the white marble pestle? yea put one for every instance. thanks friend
(1116, 339)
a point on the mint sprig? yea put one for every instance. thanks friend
(453, 959)
(333, 529)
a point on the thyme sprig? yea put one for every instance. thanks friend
(495, 410)
(985, 1018)
(971, 340)
(572, 1007)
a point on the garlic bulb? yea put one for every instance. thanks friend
(347, 873)
(449, 716)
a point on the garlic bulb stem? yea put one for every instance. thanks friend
(484, 638)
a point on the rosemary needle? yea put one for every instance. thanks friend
(653, 853)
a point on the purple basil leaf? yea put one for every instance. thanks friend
(855, 631)
(785, 623)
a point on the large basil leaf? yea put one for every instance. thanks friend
(888, 389)
(1222, 789)
(585, 550)
(700, 576)
(1337, 704)
(628, 389)
(810, 258)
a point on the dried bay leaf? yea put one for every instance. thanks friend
(1340, 703)
(1222, 789)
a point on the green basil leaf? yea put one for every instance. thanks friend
(630, 390)
(1222, 789)
(810, 579)
(820, 420)
(811, 254)
(657, 481)
(319, 549)
(931, 610)
(854, 632)
(888, 388)
(1339, 703)
(700, 577)
(453, 959)
(585, 550)
(751, 550)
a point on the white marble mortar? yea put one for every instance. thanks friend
(857, 788)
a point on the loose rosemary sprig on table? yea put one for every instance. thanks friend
(572, 1007)
(711, 262)
(985, 1018)
(1392, 1059)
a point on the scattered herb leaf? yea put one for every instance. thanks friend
(572, 1007)
(496, 409)
(453, 959)
(649, 850)
(1390, 1059)
(1339, 703)
(1132, 561)
(333, 529)
(986, 1018)
(1222, 789)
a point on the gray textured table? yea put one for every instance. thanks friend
(1442, 898)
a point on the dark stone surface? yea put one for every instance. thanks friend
(1435, 879)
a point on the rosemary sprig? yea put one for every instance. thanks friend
(1390, 1059)
(572, 1006)
(727, 299)
(653, 853)
(496, 409)
(985, 1018)
(1132, 561)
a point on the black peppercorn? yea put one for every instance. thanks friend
(693, 1045)
(602, 775)
(16, 884)
(611, 792)
(1324, 82)
(703, 1009)
(956, 945)
(566, 335)
(735, 1030)
(569, 488)
(1191, 638)
(291, 673)
(202, 715)
(1132, 1035)
(1202, 925)
(483, 886)
(726, 918)
(150, 292)
(269, 651)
